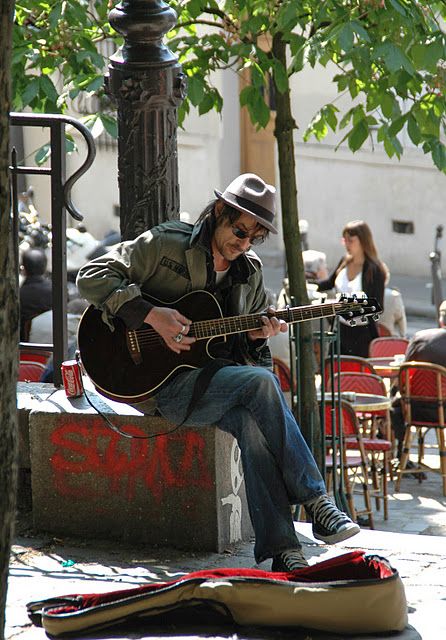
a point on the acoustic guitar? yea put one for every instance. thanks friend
(132, 365)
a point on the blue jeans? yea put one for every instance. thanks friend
(278, 466)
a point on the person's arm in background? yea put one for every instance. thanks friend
(328, 283)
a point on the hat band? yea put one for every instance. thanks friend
(257, 209)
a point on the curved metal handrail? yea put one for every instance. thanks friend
(46, 120)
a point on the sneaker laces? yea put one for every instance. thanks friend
(293, 559)
(327, 513)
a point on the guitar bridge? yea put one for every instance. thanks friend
(133, 347)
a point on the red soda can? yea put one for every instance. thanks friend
(72, 378)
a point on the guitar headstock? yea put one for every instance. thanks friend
(357, 307)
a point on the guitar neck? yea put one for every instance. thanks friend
(238, 324)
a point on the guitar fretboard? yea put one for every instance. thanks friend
(225, 326)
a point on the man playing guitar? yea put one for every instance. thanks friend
(173, 261)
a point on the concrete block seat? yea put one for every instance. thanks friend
(183, 490)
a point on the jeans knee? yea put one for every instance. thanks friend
(263, 383)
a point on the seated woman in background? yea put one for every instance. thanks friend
(359, 271)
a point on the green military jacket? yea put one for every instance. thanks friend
(167, 262)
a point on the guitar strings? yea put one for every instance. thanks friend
(149, 336)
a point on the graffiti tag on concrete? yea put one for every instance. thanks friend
(88, 453)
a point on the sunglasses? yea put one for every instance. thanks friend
(242, 235)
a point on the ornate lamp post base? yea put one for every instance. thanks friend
(148, 85)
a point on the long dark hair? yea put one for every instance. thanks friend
(362, 230)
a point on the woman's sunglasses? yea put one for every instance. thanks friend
(242, 235)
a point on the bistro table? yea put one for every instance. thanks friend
(366, 405)
(386, 366)
(361, 402)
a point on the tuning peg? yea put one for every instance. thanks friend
(376, 316)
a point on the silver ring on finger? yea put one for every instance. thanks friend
(178, 337)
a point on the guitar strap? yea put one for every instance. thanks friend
(203, 380)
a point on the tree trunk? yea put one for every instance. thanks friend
(285, 125)
(8, 321)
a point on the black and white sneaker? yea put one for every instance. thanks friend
(329, 524)
(289, 560)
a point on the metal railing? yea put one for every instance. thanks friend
(329, 349)
(60, 203)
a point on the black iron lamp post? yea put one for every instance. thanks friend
(148, 85)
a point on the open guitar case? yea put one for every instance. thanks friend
(349, 594)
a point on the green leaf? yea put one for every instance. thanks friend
(195, 91)
(398, 7)
(397, 125)
(42, 154)
(346, 37)
(206, 104)
(288, 16)
(258, 110)
(316, 128)
(394, 57)
(95, 84)
(413, 130)
(110, 124)
(434, 53)
(280, 76)
(257, 76)
(342, 81)
(195, 8)
(31, 91)
(329, 113)
(70, 145)
(418, 55)
(54, 14)
(360, 31)
(358, 135)
(387, 104)
(48, 88)
(346, 119)
(438, 151)
(246, 94)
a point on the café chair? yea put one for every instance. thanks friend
(32, 362)
(377, 434)
(347, 363)
(355, 462)
(422, 387)
(387, 346)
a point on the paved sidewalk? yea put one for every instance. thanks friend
(43, 566)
